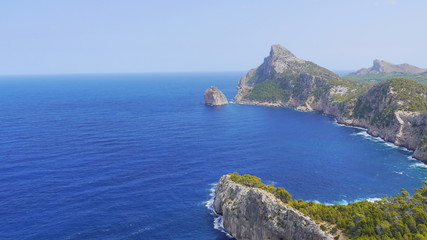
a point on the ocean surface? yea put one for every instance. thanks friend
(135, 156)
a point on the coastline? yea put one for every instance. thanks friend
(340, 123)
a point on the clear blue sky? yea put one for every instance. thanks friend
(103, 36)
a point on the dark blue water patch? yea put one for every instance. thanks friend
(134, 156)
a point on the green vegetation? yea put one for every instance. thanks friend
(297, 81)
(253, 181)
(411, 93)
(378, 77)
(399, 94)
(401, 217)
(269, 91)
(308, 67)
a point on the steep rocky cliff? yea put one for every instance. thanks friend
(251, 213)
(395, 110)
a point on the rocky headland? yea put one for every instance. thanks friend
(394, 109)
(253, 210)
(252, 213)
(214, 97)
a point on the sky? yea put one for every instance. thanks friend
(136, 36)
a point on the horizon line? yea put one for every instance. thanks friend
(130, 73)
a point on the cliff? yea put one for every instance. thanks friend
(214, 97)
(252, 213)
(394, 110)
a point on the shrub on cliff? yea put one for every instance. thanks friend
(282, 194)
(247, 180)
(253, 181)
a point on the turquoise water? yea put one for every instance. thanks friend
(135, 156)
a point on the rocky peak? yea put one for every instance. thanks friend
(279, 60)
(279, 51)
(377, 65)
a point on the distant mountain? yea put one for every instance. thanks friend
(382, 70)
(395, 109)
(381, 66)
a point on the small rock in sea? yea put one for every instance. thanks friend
(214, 97)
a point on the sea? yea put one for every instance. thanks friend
(137, 156)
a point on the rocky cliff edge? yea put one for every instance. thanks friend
(254, 214)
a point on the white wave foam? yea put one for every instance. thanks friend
(400, 173)
(367, 136)
(411, 158)
(343, 125)
(419, 165)
(209, 203)
(219, 224)
(218, 220)
(271, 183)
(391, 145)
(345, 202)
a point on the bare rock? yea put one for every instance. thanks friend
(214, 97)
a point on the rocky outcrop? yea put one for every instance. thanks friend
(395, 110)
(380, 66)
(214, 97)
(251, 213)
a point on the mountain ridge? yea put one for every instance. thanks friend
(381, 66)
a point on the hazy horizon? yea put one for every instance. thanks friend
(339, 72)
(109, 37)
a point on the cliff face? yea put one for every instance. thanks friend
(395, 110)
(214, 97)
(252, 213)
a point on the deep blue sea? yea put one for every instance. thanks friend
(135, 156)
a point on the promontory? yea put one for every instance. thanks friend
(394, 109)
(252, 210)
